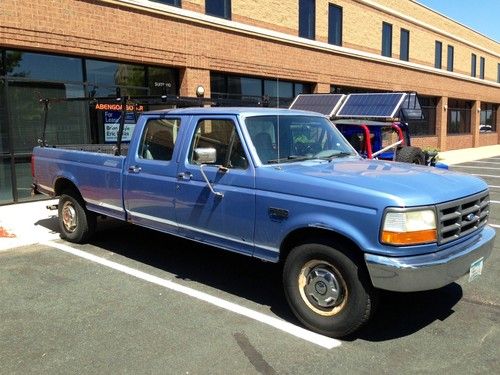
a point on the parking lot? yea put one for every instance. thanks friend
(137, 301)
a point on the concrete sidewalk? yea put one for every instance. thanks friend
(468, 154)
(28, 223)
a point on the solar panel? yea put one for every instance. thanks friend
(325, 104)
(373, 105)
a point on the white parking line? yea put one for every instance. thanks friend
(494, 186)
(485, 175)
(465, 166)
(483, 162)
(497, 202)
(325, 342)
(494, 225)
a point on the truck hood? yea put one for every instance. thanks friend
(402, 183)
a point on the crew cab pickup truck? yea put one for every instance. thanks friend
(283, 186)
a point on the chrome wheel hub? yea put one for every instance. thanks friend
(322, 288)
(69, 217)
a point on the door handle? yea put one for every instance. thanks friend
(134, 169)
(186, 176)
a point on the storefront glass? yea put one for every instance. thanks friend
(37, 66)
(5, 170)
(27, 77)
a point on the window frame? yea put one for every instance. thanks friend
(450, 58)
(307, 22)
(235, 134)
(404, 45)
(482, 67)
(473, 65)
(386, 39)
(215, 11)
(438, 55)
(335, 24)
(140, 149)
(174, 3)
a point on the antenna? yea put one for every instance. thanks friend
(278, 115)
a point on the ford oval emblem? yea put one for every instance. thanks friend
(470, 217)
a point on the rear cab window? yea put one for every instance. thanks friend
(158, 139)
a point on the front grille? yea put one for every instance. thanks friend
(462, 216)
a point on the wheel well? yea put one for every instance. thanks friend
(63, 184)
(305, 235)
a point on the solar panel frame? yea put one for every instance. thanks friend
(328, 109)
(387, 110)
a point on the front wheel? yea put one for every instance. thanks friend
(327, 290)
(76, 223)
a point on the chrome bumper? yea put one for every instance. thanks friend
(429, 271)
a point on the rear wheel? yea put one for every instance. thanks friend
(410, 154)
(76, 223)
(327, 290)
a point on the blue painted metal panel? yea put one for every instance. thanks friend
(228, 221)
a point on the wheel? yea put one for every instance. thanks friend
(327, 290)
(76, 223)
(410, 154)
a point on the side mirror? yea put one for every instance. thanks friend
(205, 155)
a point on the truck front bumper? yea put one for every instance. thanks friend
(429, 271)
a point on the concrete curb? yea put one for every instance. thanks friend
(468, 154)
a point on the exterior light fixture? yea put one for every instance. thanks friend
(200, 91)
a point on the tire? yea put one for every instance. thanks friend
(327, 290)
(76, 223)
(409, 154)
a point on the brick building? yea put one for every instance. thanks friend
(236, 50)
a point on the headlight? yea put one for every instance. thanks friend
(401, 227)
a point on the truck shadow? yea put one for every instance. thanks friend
(398, 314)
(402, 314)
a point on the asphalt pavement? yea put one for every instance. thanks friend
(137, 301)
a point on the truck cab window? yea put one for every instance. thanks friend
(223, 137)
(158, 139)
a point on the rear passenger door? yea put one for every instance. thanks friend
(150, 175)
(226, 219)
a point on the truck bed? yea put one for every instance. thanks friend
(94, 170)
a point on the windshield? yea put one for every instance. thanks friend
(288, 138)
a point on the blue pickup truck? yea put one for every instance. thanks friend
(283, 186)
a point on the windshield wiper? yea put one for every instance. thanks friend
(335, 155)
(289, 159)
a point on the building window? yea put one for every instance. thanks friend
(334, 24)
(307, 18)
(451, 51)
(404, 45)
(176, 3)
(459, 116)
(386, 39)
(252, 91)
(473, 65)
(427, 125)
(43, 67)
(498, 73)
(481, 67)
(438, 55)
(218, 8)
(487, 121)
